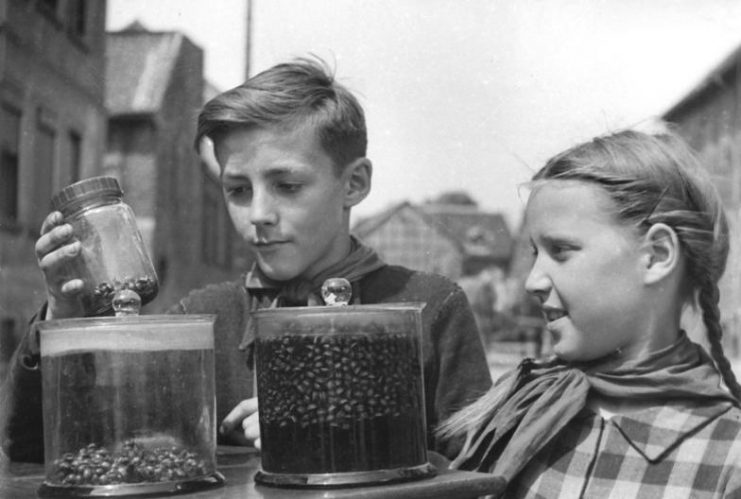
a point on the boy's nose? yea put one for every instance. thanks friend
(262, 210)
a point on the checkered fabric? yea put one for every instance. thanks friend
(674, 452)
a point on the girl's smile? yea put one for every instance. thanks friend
(553, 314)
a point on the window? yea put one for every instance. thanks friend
(75, 156)
(209, 231)
(7, 338)
(7, 344)
(49, 7)
(76, 17)
(67, 15)
(43, 168)
(216, 231)
(226, 252)
(9, 186)
(10, 124)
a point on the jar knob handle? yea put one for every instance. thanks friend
(126, 302)
(336, 291)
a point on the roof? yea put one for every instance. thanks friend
(476, 232)
(368, 225)
(481, 233)
(713, 79)
(138, 68)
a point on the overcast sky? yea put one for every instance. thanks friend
(470, 95)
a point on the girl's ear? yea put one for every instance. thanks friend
(357, 177)
(662, 253)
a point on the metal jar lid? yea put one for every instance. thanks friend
(72, 196)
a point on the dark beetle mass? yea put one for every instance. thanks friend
(344, 402)
(99, 299)
(133, 463)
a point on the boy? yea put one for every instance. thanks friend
(290, 144)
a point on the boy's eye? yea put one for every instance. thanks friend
(289, 187)
(238, 191)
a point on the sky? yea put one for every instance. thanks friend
(471, 95)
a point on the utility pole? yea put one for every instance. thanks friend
(248, 40)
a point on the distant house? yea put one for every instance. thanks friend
(709, 118)
(449, 239)
(155, 89)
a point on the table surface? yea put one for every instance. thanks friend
(238, 465)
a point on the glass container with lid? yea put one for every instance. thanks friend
(113, 255)
(129, 405)
(341, 395)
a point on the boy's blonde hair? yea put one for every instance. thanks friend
(302, 92)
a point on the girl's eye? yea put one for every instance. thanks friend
(560, 251)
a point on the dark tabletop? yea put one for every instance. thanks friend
(238, 465)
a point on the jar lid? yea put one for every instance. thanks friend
(85, 189)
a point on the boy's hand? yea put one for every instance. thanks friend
(242, 425)
(54, 249)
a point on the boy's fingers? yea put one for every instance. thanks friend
(251, 426)
(55, 257)
(52, 219)
(72, 287)
(237, 438)
(54, 239)
(238, 414)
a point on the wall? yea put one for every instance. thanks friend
(712, 126)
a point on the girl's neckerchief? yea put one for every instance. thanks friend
(263, 292)
(538, 399)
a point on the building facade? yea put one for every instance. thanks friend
(76, 102)
(155, 90)
(52, 133)
(709, 118)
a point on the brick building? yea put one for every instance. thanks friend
(709, 118)
(52, 132)
(76, 102)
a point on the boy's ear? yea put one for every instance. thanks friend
(207, 152)
(662, 253)
(357, 181)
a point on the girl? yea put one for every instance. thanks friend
(626, 231)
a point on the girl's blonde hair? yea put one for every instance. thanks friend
(651, 179)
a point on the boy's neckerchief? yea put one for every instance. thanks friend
(538, 400)
(265, 293)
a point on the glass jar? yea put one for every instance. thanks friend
(113, 254)
(129, 405)
(341, 395)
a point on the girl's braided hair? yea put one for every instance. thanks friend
(657, 179)
(651, 179)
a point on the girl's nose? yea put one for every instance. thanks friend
(262, 209)
(538, 283)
